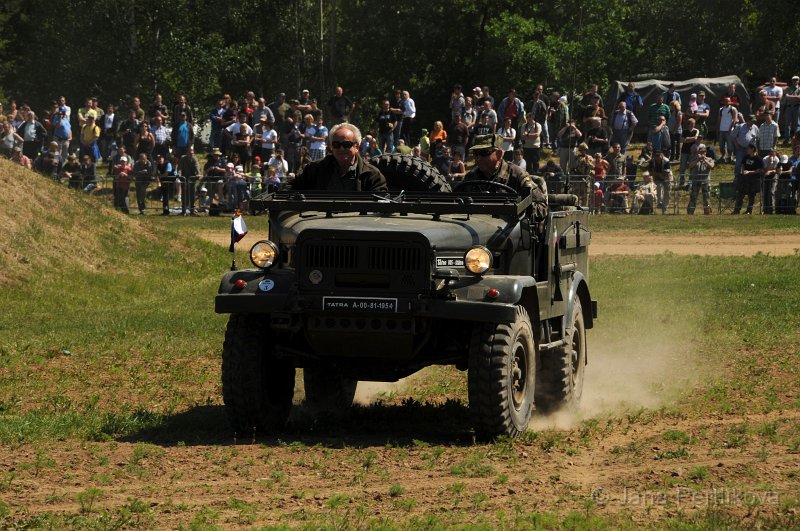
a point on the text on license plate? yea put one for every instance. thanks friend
(453, 261)
(359, 304)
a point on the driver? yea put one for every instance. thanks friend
(343, 169)
(490, 166)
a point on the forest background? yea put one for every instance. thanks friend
(115, 49)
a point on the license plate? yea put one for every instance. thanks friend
(359, 304)
(445, 261)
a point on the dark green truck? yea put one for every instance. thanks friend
(374, 287)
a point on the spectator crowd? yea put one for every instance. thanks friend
(575, 144)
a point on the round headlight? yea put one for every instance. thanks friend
(478, 260)
(264, 254)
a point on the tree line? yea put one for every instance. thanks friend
(114, 49)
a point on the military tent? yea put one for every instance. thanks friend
(649, 89)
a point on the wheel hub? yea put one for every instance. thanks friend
(518, 379)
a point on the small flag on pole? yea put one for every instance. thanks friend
(238, 229)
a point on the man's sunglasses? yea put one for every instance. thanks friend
(346, 144)
(483, 152)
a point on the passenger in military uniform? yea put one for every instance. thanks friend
(490, 166)
(344, 169)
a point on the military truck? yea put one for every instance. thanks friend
(375, 287)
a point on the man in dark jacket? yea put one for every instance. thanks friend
(344, 169)
(33, 134)
(143, 174)
(188, 172)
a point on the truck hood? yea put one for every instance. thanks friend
(446, 233)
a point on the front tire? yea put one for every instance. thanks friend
(560, 383)
(502, 377)
(257, 387)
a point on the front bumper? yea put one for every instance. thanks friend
(281, 296)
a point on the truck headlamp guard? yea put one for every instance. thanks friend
(264, 254)
(478, 260)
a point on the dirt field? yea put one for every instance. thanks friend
(613, 458)
(357, 472)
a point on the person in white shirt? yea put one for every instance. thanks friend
(775, 94)
(728, 118)
(279, 164)
(509, 134)
(62, 103)
(268, 139)
(409, 116)
(771, 162)
(241, 136)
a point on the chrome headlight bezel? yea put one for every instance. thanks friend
(478, 260)
(264, 254)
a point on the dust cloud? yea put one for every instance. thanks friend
(370, 392)
(629, 373)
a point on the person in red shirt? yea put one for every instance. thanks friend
(122, 183)
(598, 199)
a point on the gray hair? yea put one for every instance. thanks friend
(351, 127)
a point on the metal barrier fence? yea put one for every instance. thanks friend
(721, 196)
(227, 196)
(174, 196)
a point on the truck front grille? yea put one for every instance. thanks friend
(394, 258)
(331, 256)
(395, 266)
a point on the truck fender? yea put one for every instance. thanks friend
(578, 287)
(262, 292)
(510, 288)
(283, 281)
(228, 282)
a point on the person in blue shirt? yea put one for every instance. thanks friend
(633, 101)
(62, 131)
(671, 94)
(182, 135)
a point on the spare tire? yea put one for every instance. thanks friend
(410, 173)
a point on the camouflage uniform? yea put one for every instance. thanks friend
(518, 179)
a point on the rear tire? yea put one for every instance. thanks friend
(502, 377)
(560, 382)
(410, 173)
(327, 390)
(257, 387)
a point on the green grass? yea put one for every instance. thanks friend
(133, 350)
(146, 328)
(697, 224)
(79, 351)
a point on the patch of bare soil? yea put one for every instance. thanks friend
(708, 244)
(223, 237)
(617, 467)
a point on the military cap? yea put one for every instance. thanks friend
(487, 142)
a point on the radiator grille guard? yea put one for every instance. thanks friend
(379, 264)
